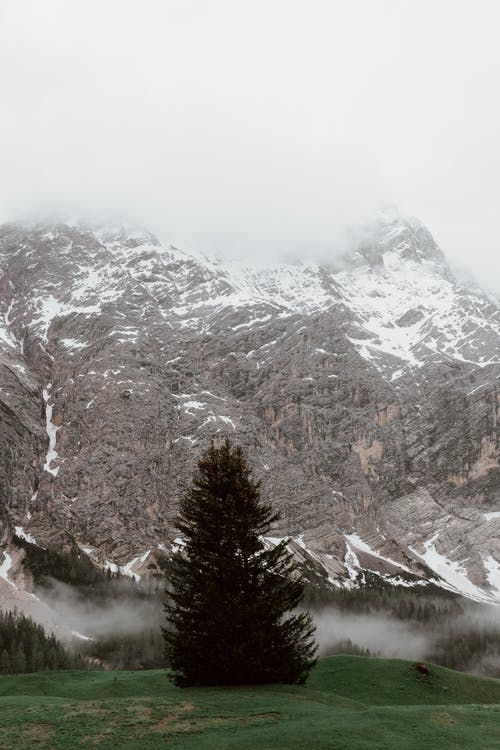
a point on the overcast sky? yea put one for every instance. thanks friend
(257, 127)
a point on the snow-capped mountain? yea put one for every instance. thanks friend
(365, 391)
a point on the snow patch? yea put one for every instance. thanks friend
(400, 581)
(275, 539)
(88, 550)
(492, 568)
(362, 546)
(251, 323)
(5, 569)
(351, 562)
(126, 569)
(198, 405)
(113, 567)
(50, 308)
(178, 544)
(73, 344)
(51, 432)
(81, 636)
(492, 516)
(300, 541)
(22, 534)
(209, 393)
(453, 574)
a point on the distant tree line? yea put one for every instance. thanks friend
(25, 647)
(72, 566)
(75, 568)
(460, 633)
(456, 641)
(473, 648)
(143, 650)
(421, 604)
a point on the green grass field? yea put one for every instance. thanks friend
(349, 703)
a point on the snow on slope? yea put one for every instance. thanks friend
(406, 307)
(22, 534)
(293, 288)
(454, 574)
(401, 304)
(408, 312)
(356, 541)
(5, 334)
(492, 516)
(5, 568)
(51, 432)
(450, 575)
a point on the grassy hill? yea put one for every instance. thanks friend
(349, 703)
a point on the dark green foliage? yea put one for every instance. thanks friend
(72, 567)
(143, 650)
(89, 583)
(25, 647)
(459, 634)
(426, 604)
(89, 588)
(470, 647)
(346, 646)
(228, 595)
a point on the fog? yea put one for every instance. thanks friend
(120, 613)
(255, 129)
(446, 630)
(456, 633)
(381, 634)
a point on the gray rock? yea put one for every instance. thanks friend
(366, 397)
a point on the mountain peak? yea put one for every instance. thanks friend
(392, 240)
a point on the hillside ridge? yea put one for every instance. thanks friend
(365, 392)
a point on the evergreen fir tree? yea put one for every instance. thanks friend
(228, 595)
(26, 648)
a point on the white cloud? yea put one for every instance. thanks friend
(255, 127)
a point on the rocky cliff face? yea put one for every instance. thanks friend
(365, 394)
